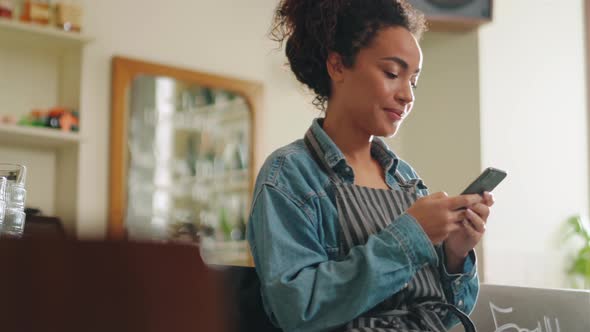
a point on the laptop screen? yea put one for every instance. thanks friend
(522, 309)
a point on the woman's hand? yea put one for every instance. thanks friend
(464, 238)
(440, 215)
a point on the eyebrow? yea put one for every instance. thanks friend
(400, 62)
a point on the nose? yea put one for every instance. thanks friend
(405, 94)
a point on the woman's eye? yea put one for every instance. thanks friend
(390, 75)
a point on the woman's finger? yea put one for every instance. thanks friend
(454, 227)
(481, 210)
(471, 231)
(476, 222)
(457, 216)
(488, 198)
(463, 201)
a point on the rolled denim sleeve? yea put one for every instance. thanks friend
(302, 289)
(461, 289)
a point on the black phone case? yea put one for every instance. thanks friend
(487, 181)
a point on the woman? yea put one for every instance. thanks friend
(343, 233)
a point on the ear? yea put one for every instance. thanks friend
(335, 67)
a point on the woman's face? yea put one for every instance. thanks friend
(376, 93)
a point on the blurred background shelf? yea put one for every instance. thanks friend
(228, 176)
(225, 252)
(15, 135)
(40, 35)
(226, 112)
(231, 181)
(41, 68)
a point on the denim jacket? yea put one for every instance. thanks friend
(293, 232)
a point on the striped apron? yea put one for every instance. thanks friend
(363, 211)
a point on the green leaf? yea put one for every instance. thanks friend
(578, 267)
(577, 225)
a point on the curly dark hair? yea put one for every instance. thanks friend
(314, 28)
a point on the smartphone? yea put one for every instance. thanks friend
(487, 181)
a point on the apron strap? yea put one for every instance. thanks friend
(463, 318)
(411, 185)
(431, 319)
(399, 178)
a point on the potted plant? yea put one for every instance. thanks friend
(579, 267)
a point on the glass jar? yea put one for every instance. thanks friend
(3, 185)
(14, 216)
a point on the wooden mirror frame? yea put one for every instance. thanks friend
(125, 70)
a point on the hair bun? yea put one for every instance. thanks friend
(314, 28)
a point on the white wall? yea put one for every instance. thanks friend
(222, 36)
(441, 139)
(513, 96)
(533, 124)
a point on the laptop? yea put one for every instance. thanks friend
(516, 309)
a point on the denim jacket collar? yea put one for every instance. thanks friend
(334, 157)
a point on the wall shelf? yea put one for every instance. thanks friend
(42, 68)
(40, 35)
(15, 135)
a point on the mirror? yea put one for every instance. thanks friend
(181, 158)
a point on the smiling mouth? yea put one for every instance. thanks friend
(394, 114)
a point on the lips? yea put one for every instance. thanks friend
(394, 113)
